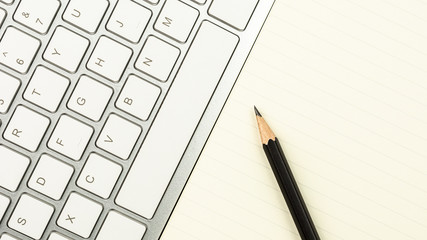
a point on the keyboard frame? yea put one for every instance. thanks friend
(156, 225)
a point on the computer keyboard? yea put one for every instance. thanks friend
(105, 107)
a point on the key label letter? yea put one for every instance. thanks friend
(81, 101)
(100, 61)
(90, 179)
(109, 139)
(22, 221)
(147, 61)
(35, 92)
(168, 22)
(16, 132)
(128, 101)
(41, 181)
(76, 13)
(59, 142)
(69, 218)
(56, 52)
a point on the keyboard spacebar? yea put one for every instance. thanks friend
(177, 119)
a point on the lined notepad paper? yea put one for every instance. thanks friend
(343, 83)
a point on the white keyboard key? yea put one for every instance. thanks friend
(129, 20)
(176, 20)
(99, 175)
(90, 98)
(7, 1)
(30, 216)
(201, 2)
(109, 59)
(234, 12)
(85, 14)
(46, 88)
(117, 226)
(50, 177)
(70, 137)
(138, 97)
(26, 128)
(31, 14)
(4, 203)
(18, 49)
(56, 236)
(118, 136)
(79, 215)
(177, 119)
(8, 87)
(6, 236)
(12, 168)
(66, 49)
(157, 58)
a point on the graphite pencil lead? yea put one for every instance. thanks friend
(257, 112)
(265, 132)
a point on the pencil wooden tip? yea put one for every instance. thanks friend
(265, 132)
(257, 112)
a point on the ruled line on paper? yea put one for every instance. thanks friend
(219, 143)
(326, 161)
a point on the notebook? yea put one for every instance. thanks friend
(343, 84)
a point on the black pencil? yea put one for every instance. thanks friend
(286, 181)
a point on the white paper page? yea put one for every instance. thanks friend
(343, 84)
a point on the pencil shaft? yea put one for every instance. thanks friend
(290, 190)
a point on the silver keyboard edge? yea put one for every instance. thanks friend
(212, 112)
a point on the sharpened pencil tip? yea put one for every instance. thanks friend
(257, 112)
(264, 130)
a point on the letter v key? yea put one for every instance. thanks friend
(109, 139)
